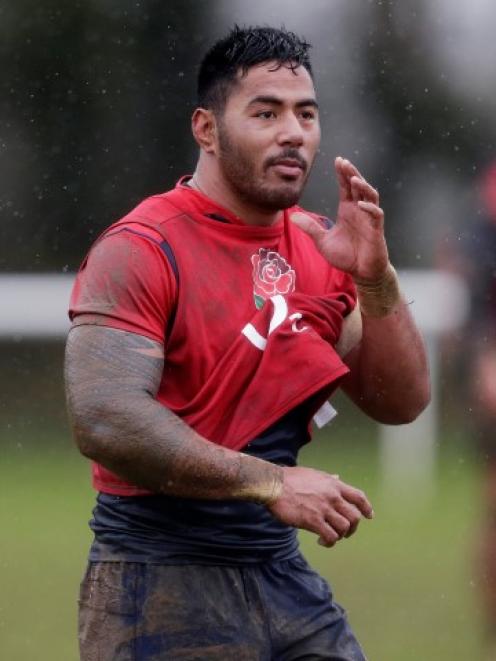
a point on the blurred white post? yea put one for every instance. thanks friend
(35, 306)
(440, 303)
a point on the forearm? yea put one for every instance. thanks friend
(128, 431)
(147, 444)
(112, 378)
(389, 376)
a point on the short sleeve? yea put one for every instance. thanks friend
(126, 283)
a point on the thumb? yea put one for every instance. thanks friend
(308, 224)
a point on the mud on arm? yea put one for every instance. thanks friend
(112, 378)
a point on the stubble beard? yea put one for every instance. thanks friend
(240, 173)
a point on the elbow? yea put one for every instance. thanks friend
(91, 431)
(411, 405)
(102, 427)
(421, 400)
(88, 440)
(89, 446)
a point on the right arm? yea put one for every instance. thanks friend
(112, 378)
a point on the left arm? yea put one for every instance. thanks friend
(389, 377)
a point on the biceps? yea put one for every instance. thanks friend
(351, 333)
(103, 364)
(351, 341)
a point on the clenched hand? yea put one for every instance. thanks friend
(320, 503)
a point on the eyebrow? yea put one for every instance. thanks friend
(276, 101)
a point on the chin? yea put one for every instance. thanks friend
(282, 197)
(270, 197)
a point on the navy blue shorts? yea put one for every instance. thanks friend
(280, 611)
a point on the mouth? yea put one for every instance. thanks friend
(288, 167)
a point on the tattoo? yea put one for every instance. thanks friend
(112, 379)
(154, 352)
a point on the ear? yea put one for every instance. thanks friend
(204, 128)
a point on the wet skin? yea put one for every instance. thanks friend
(257, 154)
(112, 378)
(254, 160)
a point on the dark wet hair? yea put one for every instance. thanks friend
(240, 50)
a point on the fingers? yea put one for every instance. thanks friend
(376, 214)
(353, 515)
(342, 517)
(352, 185)
(319, 525)
(362, 190)
(341, 520)
(338, 523)
(348, 168)
(359, 499)
(343, 179)
(321, 503)
(327, 535)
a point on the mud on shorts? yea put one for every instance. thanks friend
(280, 611)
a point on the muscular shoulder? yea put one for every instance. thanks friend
(126, 282)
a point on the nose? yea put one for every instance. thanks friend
(291, 131)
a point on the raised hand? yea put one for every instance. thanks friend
(320, 503)
(356, 243)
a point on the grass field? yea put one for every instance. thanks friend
(406, 578)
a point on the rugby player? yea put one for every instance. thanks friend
(210, 325)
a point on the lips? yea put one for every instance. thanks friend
(290, 163)
(289, 167)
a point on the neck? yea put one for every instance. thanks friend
(209, 181)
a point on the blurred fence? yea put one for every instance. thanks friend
(34, 306)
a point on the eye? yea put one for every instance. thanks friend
(266, 114)
(308, 115)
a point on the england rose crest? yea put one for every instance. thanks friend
(271, 275)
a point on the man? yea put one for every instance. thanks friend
(472, 255)
(209, 326)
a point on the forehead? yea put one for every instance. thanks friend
(273, 79)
